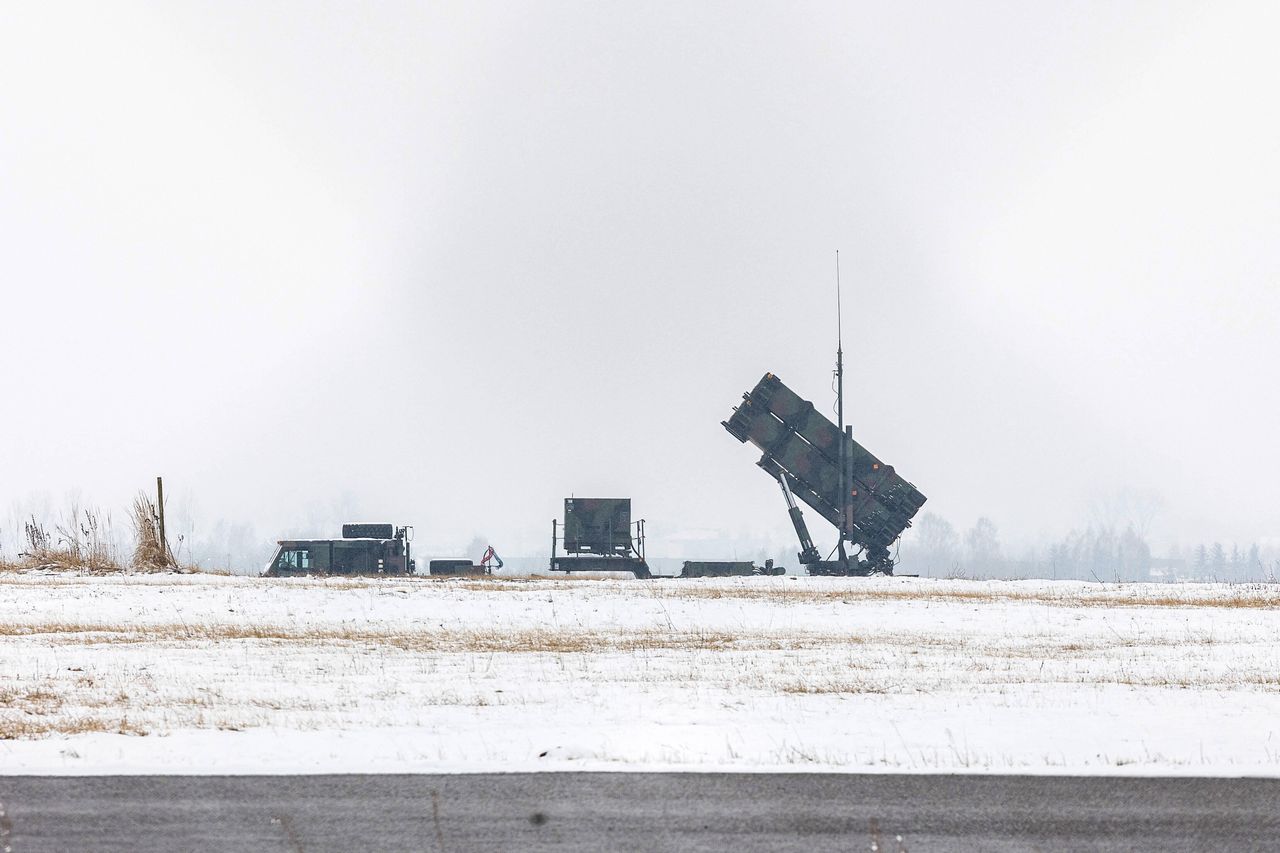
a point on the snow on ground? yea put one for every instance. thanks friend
(206, 674)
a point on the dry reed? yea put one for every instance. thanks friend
(150, 552)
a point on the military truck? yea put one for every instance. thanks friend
(364, 549)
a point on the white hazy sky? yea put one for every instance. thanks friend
(447, 264)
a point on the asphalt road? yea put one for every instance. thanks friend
(633, 811)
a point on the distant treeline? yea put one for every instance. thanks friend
(1101, 552)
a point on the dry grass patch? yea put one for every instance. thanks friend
(568, 641)
(40, 699)
(834, 686)
(80, 542)
(1251, 595)
(30, 727)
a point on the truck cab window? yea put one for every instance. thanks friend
(300, 559)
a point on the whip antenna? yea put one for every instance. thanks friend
(843, 455)
(839, 318)
(839, 350)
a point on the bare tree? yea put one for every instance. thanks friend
(934, 547)
(982, 543)
(1127, 507)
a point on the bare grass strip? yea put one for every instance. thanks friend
(33, 727)
(1244, 596)
(516, 641)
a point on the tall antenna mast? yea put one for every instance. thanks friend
(839, 351)
(844, 485)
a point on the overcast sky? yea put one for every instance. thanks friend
(446, 265)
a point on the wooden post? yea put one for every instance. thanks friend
(164, 543)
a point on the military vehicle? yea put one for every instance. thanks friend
(813, 459)
(455, 568)
(724, 569)
(364, 549)
(599, 536)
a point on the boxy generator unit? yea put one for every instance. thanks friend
(465, 568)
(727, 569)
(598, 536)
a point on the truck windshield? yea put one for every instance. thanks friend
(299, 558)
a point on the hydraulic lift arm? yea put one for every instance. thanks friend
(808, 553)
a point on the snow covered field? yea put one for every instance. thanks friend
(211, 674)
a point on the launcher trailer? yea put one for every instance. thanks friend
(814, 460)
